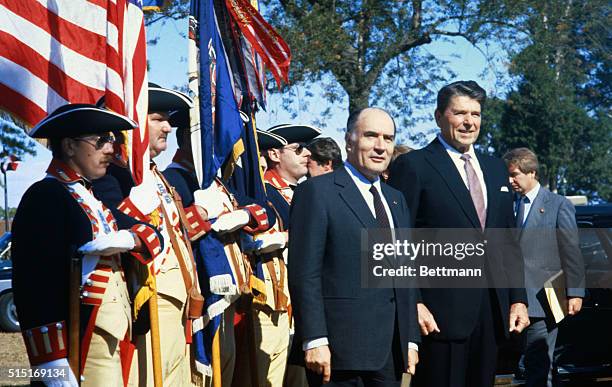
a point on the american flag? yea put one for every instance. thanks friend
(54, 52)
(9, 163)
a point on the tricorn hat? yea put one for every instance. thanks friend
(295, 133)
(269, 140)
(76, 119)
(180, 119)
(167, 100)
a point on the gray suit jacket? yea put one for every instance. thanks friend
(549, 242)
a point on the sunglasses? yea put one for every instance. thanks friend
(298, 150)
(100, 141)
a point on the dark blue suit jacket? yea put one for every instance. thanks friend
(328, 214)
(438, 198)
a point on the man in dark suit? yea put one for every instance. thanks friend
(549, 242)
(325, 156)
(350, 334)
(448, 185)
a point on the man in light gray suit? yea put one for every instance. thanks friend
(548, 238)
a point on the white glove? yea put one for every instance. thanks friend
(109, 244)
(231, 221)
(210, 199)
(68, 380)
(270, 242)
(144, 196)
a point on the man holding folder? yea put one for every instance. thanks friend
(548, 236)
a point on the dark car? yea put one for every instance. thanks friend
(8, 312)
(584, 344)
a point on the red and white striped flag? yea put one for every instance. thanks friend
(54, 52)
(9, 163)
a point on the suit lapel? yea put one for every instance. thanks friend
(441, 161)
(533, 217)
(353, 199)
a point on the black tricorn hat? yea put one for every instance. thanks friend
(295, 133)
(162, 100)
(269, 140)
(180, 119)
(167, 100)
(76, 119)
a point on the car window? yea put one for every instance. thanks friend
(595, 244)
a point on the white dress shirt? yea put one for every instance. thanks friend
(455, 155)
(363, 185)
(531, 195)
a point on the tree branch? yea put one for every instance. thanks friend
(405, 42)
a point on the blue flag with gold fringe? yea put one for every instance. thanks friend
(220, 122)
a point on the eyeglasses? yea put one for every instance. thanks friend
(100, 141)
(298, 150)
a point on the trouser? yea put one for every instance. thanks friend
(466, 363)
(295, 376)
(536, 363)
(271, 338)
(175, 353)
(103, 365)
(388, 376)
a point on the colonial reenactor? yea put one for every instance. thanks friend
(267, 322)
(225, 272)
(174, 280)
(286, 166)
(63, 236)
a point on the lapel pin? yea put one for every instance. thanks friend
(541, 210)
(394, 202)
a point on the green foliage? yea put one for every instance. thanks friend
(11, 214)
(376, 51)
(174, 9)
(13, 139)
(559, 108)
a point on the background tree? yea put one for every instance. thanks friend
(13, 140)
(375, 51)
(560, 105)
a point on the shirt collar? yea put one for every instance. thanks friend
(274, 178)
(62, 172)
(533, 193)
(359, 179)
(454, 152)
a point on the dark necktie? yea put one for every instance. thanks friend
(475, 190)
(379, 209)
(520, 212)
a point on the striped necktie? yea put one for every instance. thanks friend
(520, 212)
(379, 209)
(475, 190)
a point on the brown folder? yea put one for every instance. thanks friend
(406, 379)
(556, 295)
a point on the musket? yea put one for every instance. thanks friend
(74, 312)
(155, 345)
(216, 360)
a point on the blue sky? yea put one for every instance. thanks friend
(168, 67)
